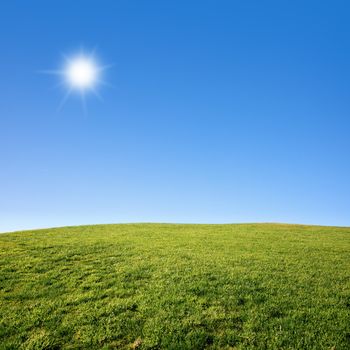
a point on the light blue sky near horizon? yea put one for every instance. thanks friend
(219, 112)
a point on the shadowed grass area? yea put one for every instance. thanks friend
(162, 286)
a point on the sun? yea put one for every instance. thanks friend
(82, 73)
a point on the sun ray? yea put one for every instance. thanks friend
(64, 99)
(96, 93)
(51, 71)
(83, 101)
(105, 67)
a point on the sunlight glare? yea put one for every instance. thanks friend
(81, 73)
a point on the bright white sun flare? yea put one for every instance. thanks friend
(82, 73)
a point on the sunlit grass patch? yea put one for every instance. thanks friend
(157, 286)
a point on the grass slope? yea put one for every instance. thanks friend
(160, 286)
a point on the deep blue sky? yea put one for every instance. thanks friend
(220, 112)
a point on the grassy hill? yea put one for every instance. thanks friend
(162, 286)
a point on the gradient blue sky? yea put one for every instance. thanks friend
(220, 112)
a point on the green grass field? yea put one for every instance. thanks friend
(162, 286)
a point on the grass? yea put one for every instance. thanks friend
(160, 286)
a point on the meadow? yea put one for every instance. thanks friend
(167, 286)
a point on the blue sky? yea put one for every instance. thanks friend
(219, 112)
